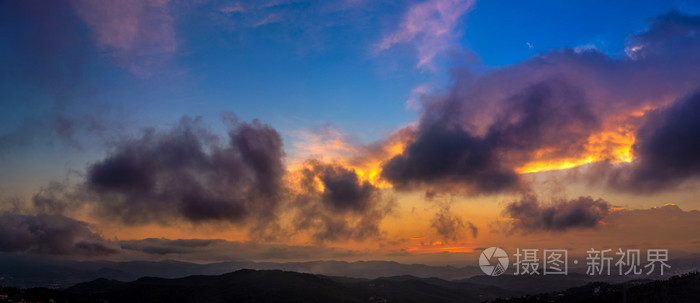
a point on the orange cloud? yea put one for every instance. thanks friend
(330, 145)
(613, 143)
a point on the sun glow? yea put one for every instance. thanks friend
(366, 161)
(370, 170)
(613, 144)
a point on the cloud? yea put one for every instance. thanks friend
(447, 155)
(417, 93)
(49, 51)
(305, 26)
(474, 230)
(342, 188)
(323, 142)
(557, 110)
(530, 215)
(666, 148)
(431, 26)
(137, 34)
(233, 8)
(549, 114)
(50, 234)
(56, 198)
(46, 80)
(209, 250)
(451, 227)
(667, 225)
(58, 126)
(671, 33)
(189, 173)
(335, 203)
(167, 246)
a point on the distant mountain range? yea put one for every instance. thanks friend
(284, 286)
(32, 271)
(34, 278)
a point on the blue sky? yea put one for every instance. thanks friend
(315, 63)
(409, 127)
(498, 31)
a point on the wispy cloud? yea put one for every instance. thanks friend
(431, 26)
(417, 93)
(323, 142)
(233, 8)
(50, 234)
(130, 31)
(450, 226)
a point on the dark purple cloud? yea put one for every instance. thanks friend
(451, 227)
(193, 175)
(56, 198)
(671, 36)
(667, 147)
(164, 246)
(531, 215)
(212, 250)
(476, 134)
(189, 173)
(547, 114)
(344, 207)
(50, 234)
(343, 189)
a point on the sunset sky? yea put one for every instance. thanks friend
(285, 130)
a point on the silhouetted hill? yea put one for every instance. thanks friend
(532, 284)
(368, 269)
(14, 294)
(684, 288)
(98, 286)
(282, 286)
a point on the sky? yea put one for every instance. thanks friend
(282, 130)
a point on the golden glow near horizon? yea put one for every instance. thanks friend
(438, 247)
